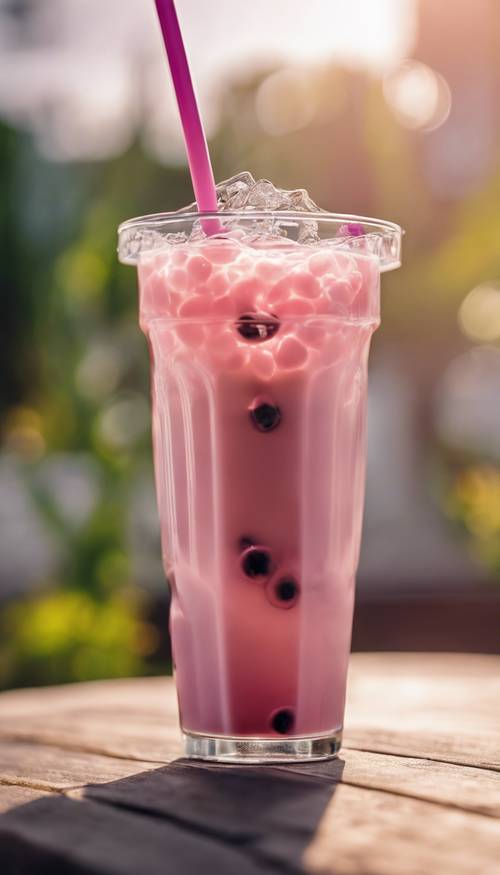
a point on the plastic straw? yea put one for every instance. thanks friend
(202, 175)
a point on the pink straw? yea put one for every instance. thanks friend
(202, 175)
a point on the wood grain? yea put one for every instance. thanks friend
(91, 781)
(380, 834)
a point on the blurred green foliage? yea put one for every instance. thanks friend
(69, 635)
(66, 297)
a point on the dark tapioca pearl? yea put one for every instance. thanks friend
(264, 415)
(282, 721)
(286, 589)
(257, 327)
(256, 562)
(283, 592)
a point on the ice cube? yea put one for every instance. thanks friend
(233, 193)
(243, 192)
(264, 196)
(300, 200)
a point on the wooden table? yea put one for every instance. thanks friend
(91, 782)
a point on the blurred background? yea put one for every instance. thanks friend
(380, 107)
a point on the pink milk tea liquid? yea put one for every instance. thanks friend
(259, 398)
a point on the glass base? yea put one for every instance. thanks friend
(239, 749)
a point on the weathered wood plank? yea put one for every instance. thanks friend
(246, 820)
(281, 822)
(131, 737)
(376, 833)
(476, 790)
(470, 789)
(438, 707)
(371, 812)
(50, 768)
(480, 751)
(424, 692)
(128, 738)
(142, 695)
(134, 719)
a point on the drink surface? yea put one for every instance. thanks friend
(259, 353)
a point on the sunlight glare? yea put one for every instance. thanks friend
(419, 96)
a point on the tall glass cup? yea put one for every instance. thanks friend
(259, 338)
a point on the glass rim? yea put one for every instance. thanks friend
(157, 222)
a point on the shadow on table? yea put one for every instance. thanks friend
(186, 817)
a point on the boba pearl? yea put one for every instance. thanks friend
(298, 307)
(244, 294)
(286, 590)
(291, 354)
(305, 285)
(321, 263)
(282, 721)
(265, 414)
(340, 293)
(256, 562)
(234, 361)
(196, 307)
(225, 348)
(257, 327)
(283, 592)
(218, 284)
(262, 363)
(178, 279)
(223, 340)
(223, 307)
(279, 292)
(198, 269)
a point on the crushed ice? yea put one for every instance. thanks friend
(243, 193)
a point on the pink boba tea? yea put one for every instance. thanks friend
(259, 339)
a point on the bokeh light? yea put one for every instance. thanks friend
(100, 370)
(285, 101)
(124, 421)
(419, 96)
(23, 433)
(467, 405)
(479, 313)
